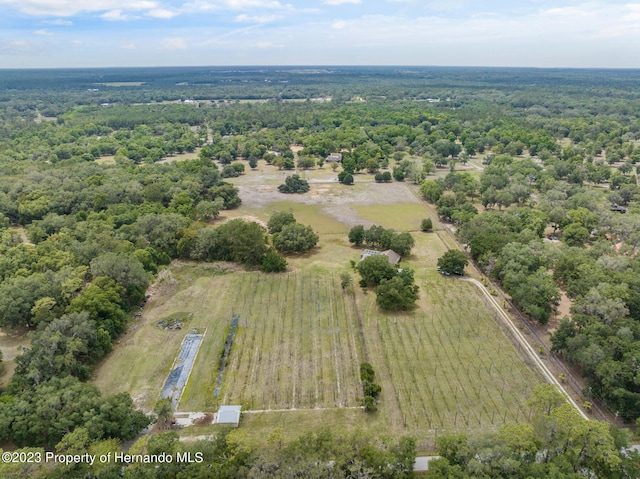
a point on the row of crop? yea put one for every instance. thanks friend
(468, 369)
(296, 347)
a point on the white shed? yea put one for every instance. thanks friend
(229, 415)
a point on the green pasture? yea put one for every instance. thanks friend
(398, 216)
(314, 215)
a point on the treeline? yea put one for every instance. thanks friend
(557, 443)
(543, 230)
(79, 244)
(324, 453)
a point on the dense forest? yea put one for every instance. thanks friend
(550, 208)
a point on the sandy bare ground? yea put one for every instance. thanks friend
(563, 310)
(11, 343)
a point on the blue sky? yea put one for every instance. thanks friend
(538, 33)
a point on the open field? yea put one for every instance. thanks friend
(143, 357)
(446, 366)
(106, 160)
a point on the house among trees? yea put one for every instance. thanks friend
(617, 208)
(228, 416)
(394, 258)
(334, 158)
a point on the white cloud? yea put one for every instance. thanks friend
(128, 46)
(212, 5)
(244, 18)
(341, 2)
(115, 15)
(161, 13)
(43, 32)
(339, 24)
(246, 4)
(59, 22)
(269, 45)
(446, 5)
(175, 43)
(15, 47)
(68, 8)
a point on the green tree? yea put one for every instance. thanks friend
(346, 178)
(208, 210)
(453, 262)
(306, 162)
(356, 235)
(535, 293)
(237, 240)
(345, 280)
(164, 413)
(227, 192)
(431, 190)
(395, 294)
(294, 184)
(127, 270)
(575, 234)
(229, 172)
(402, 243)
(295, 237)
(45, 414)
(373, 269)
(426, 225)
(103, 301)
(278, 220)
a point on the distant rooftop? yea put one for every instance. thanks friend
(394, 258)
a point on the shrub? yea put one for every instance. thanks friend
(273, 262)
(369, 404)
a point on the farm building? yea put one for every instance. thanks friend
(394, 258)
(229, 416)
(334, 158)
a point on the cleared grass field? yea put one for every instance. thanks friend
(398, 216)
(294, 364)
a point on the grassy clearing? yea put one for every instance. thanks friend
(106, 160)
(181, 157)
(399, 216)
(445, 366)
(143, 357)
(314, 215)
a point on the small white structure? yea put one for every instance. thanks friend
(229, 415)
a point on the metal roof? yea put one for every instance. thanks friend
(229, 415)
